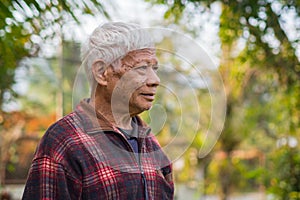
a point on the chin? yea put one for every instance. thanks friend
(147, 107)
(140, 109)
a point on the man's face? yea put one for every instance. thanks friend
(133, 86)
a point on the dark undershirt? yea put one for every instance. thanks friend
(131, 136)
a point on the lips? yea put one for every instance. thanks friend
(148, 95)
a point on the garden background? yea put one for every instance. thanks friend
(254, 43)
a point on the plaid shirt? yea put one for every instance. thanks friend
(82, 156)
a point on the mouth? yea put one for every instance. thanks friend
(148, 96)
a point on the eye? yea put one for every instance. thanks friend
(155, 68)
(143, 67)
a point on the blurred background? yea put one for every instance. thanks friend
(253, 43)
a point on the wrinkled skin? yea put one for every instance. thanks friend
(130, 88)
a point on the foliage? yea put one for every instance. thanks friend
(26, 24)
(16, 127)
(55, 74)
(285, 175)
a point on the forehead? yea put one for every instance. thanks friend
(141, 55)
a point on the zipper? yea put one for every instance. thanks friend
(141, 168)
(137, 159)
(145, 185)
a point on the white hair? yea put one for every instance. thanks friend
(110, 42)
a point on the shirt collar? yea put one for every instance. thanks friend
(93, 122)
(132, 133)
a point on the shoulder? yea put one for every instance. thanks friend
(64, 128)
(61, 138)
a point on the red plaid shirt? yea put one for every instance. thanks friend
(82, 156)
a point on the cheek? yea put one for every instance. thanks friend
(130, 82)
(136, 78)
(137, 101)
(126, 88)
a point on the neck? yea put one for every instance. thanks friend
(115, 114)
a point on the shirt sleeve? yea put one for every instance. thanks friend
(48, 180)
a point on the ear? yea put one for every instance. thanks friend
(99, 72)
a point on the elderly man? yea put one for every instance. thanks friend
(103, 150)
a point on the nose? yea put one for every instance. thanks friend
(152, 78)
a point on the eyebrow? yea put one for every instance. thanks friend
(146, 64)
